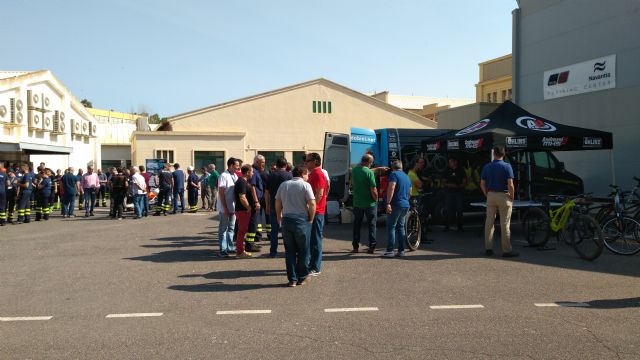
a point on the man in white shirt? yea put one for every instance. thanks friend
(226, 207)
(138, 190)
(296, 209)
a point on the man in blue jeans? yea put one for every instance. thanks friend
(71, 186)
(398, 191)
(319, 184)
(296, 209)
(178, 188)
(226, 207)
(275, 179)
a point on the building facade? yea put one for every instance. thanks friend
(41, 121)
(114, 135)
(284, 122)
(425, 106)
(495, 80)
(577, 62)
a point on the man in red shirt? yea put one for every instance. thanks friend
(318, 183)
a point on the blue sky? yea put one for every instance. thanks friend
(168, 57)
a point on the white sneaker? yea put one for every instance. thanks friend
(401, 254)
(388, 254)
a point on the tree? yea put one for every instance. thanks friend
(155, 119)
(86, 103)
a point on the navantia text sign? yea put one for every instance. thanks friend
(588, 76)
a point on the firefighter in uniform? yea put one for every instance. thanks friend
(4, 184)
(193, 185)
(44, 195)
(165, 183)
(26, 189)
(12, 195)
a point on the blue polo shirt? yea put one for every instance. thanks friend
(401, 192)
(178, 180)
(69, 183)
(495, 174)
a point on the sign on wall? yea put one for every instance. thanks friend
(588, 76)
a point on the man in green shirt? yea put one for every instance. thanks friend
(213, 184)
(365, 197)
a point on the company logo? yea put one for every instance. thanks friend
(434, 146)
(474, 127)
(473, 144)
(530, 123)
(592, 142)
(599, 66)
(558, 78)
(554, 141)
(453, 145)
(516, 141)
(363, 139)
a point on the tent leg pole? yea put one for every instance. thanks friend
(613, 167)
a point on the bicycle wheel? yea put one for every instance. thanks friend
(536, 227)
(414, 230)
(586, 236)
(622, 235)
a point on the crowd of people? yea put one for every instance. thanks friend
(24, 191)
(289, 199)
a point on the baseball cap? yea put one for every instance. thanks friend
(190, 168)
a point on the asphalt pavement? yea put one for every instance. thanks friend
(154, 288)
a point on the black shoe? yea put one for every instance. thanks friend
(371, 250)
(251, 247)
(510, 254)
(181, 212)
(172, 213)
(91, 214)
(291, 284)
(488, 252)
(303, 281)
(355, 250)
(86, 215)
(156, 214)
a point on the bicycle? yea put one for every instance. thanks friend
(630, 203)
(580, 230)
(621, 232)
(414, 223)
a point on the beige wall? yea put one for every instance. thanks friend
(459, 117)
(183, 145)
(277, 121)
(495, 78)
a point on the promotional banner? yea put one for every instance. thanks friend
(154, 165)
(593, 75)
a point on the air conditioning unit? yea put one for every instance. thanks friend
(93, 129)
(85, 127)
(58, 122)
(15, 111)
(47, 123)
(35, 120)
(45, 102)
(33, 100)
(76, 127)
(4, 114)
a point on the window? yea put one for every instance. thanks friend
(204, 158)
(509, 94)
(297, 157)
(323, 107)
(495, 96)
(270, 157)
(489, 97)
(165, 154)
(504, 95)
(541, 159)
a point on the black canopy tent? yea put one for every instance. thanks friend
(519, 130)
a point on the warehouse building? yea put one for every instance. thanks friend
(41, 121)
(284, 122)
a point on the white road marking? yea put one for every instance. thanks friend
(445, 307)
(238, 312)
(26, 318)
(562, 304)
(111, 316)
(351, 309)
